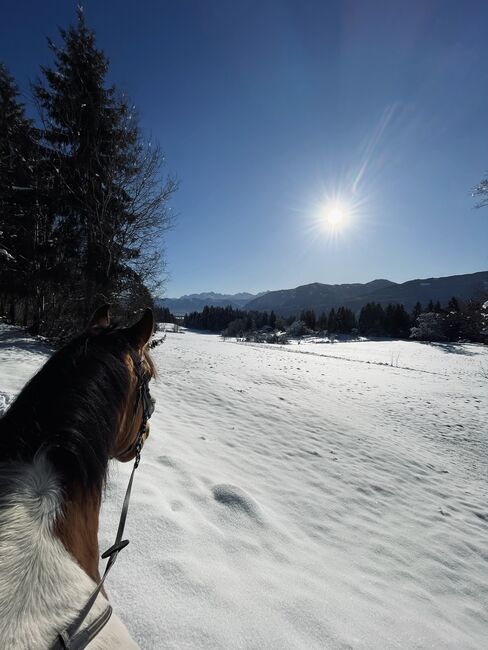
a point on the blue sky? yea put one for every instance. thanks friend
(267, 109)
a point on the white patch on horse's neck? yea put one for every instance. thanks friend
(42, 587)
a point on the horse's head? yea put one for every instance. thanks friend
(89, 402)
(133, 428)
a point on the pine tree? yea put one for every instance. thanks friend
(272, 320)
(453, 320)
(111, 204)
(397, 322)
(417, 310)
(21, 214)
(453, 305)
(322, 322)
(345, 321)
(309, 318)
(331, 321)
(372, 320)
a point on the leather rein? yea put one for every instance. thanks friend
(72, 638)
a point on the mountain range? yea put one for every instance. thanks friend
(323, 297)
(197, 301)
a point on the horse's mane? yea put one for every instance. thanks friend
(70, 410)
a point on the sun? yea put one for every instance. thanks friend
(335, 215)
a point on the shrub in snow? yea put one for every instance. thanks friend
(297, 328)
(430, 327)
(484, 319)
(236, 327)
(277, 337)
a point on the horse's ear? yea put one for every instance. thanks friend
(100, 317)
(140, 333)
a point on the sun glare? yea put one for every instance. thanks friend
(335, 215)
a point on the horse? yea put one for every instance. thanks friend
(87, 404)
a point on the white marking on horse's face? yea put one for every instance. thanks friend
(41, 585)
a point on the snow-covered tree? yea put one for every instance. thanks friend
(484, 319)
(429, 327)
(481, 193)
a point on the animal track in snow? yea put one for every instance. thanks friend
(236, 500)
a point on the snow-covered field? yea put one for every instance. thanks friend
(306, 496)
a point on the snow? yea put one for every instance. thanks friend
(312, 496)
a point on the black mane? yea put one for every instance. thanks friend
(70, 410)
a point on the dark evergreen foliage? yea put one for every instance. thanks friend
(217, 319)
(272, 320)
(163, 315)
(82, 199)
(372, 320)
(417, 310)
(331, 321)
(322, 322)
(345, 321)
(458, 321)
(308, 317)
(397, 322)
(24, 233)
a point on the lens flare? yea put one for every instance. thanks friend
(335, 215)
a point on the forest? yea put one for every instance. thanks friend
(456, 321)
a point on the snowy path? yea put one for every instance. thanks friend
(288, 498)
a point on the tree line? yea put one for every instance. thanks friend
(164, 315)
(216, 319)
(458, 320)
(83, 198)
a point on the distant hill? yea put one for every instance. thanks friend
(323, 297)
(320, 297)
(197, 301)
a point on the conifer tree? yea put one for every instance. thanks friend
(331, 321)
(453, 320)
(372, 320)
(110, 201)
(453, 305)
(322, 321)
(345, 321)
(417, 310)
(21, 231)
(272, 320)
(397, 321)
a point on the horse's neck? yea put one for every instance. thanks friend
(41, 584)
(77, 528)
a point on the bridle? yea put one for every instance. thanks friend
(148, 406)
(72, 638)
